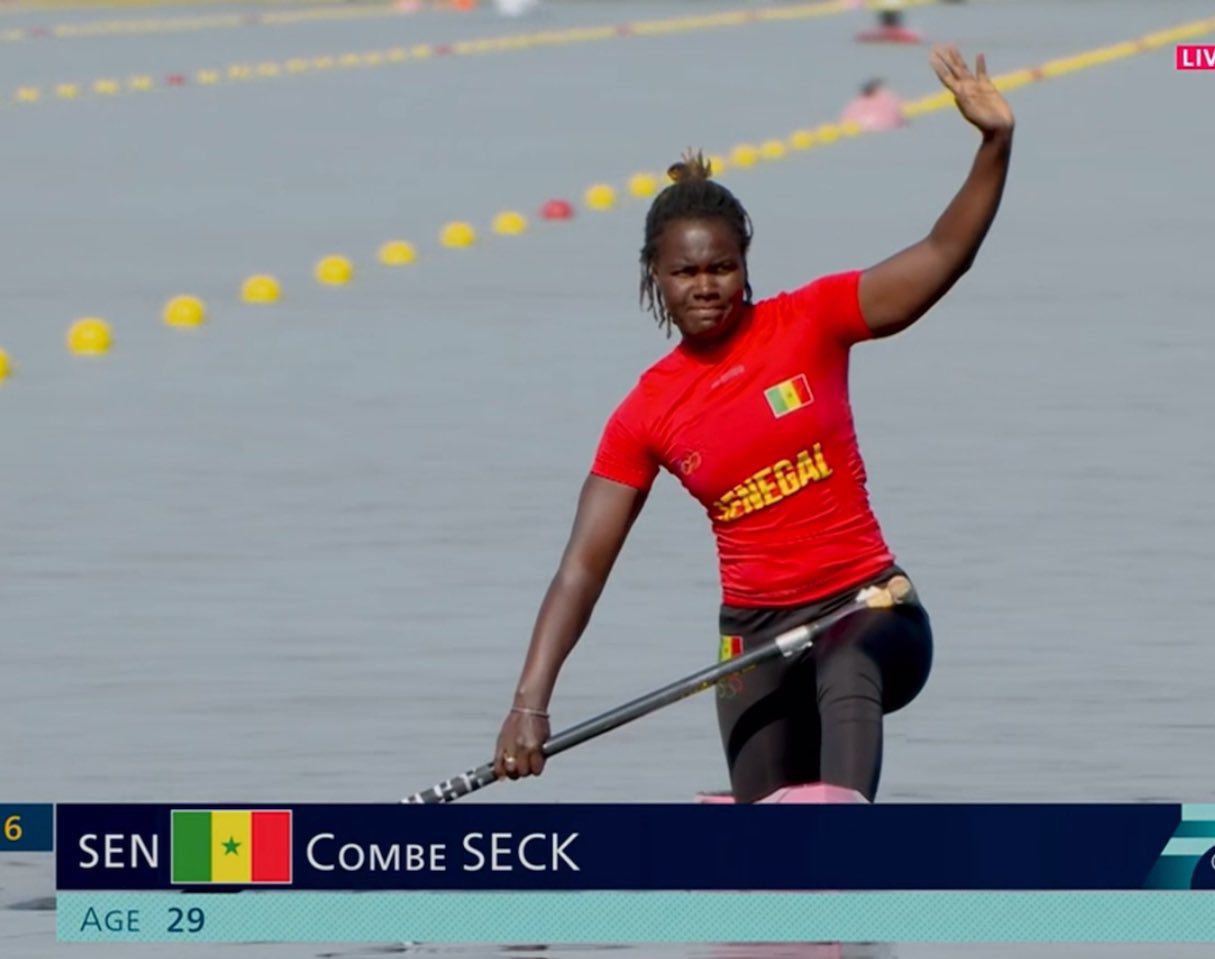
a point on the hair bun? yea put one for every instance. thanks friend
(693, 166)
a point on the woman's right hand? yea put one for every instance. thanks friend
(518, 752)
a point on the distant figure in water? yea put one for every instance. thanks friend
(890, 27)
(875, 108)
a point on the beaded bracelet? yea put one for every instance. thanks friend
(528, 711)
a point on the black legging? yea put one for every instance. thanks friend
(818, 717)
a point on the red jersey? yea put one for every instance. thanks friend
(759, 429)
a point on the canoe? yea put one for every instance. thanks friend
(808, 793)
(889, 35)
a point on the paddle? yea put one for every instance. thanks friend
(897, 590)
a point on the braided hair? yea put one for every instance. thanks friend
(692, 195)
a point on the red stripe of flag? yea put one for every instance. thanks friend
(802, 389)
(271, 847)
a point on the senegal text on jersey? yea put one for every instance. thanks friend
(758, 490)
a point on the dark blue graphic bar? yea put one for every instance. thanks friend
(26, 827)
(622, 847)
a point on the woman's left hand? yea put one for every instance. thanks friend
(978, 99)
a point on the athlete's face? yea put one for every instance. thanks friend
(702, 275)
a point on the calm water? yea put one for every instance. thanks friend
(295, 555)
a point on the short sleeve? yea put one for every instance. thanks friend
(623, 454)
(833, 304)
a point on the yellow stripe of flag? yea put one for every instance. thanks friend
(789, 395)
(231, 846)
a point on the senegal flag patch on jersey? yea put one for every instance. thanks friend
(731, 646)
(790, 395)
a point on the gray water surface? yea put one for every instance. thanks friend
(295, 555)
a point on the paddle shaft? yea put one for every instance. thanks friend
(898, 590)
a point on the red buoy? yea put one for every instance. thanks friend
(557, 210)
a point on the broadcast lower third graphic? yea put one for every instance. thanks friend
(595, 873)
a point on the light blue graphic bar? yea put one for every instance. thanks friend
(1198, 811)
(1188, 846)
(618, 917)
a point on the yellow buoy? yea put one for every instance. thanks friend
(397, 253)
(185, 311)
(458, 235)
(772, 150)
(89, 337)
(827, 133)
(744, 155)
(801, 139)
(643, 184)
(6, 366)
(260, 288)
(717, 164)
(510, 223)
(334, 270)
(850, 128)
(600, 197)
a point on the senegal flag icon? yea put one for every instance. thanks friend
(231, 846)
(788, 396)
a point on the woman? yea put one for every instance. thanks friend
(750, 412)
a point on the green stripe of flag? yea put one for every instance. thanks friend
(776, 400)
(191, 846)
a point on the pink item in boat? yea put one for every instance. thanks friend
(818, 793)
